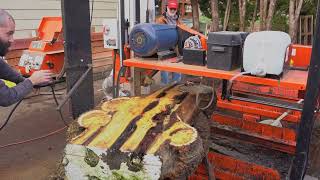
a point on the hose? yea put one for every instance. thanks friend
(210, 102)
(234, 78)
(19, 102)
(10, 114)
(118, 80)
(57, 103)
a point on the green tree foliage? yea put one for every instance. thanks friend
(279, 21)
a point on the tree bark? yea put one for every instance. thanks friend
(267, 8)
(272, 5)
(294, 14)
(254, 16)
(227, 15)
(195, 15)
(242, 12)
(291, 18)
(215, 15)
(262, 14)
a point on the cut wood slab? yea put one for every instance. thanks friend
(165, 125)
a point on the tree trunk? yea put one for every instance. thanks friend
(242, 12)
(262, 15)
(291, 18)
(164, 130)
(227, 15)
(272, 5)
(265, 10)
(294, 14)
(195, 15)
(215, 15)
(254, 16)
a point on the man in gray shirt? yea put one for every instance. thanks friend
(9, 96)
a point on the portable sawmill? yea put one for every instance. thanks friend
(261, 98)
(261, 108)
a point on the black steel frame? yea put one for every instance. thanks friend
(78, 55)
(299, 165)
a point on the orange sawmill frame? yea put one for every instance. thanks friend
(246, 127)
(228, 168)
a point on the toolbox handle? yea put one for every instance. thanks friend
(217, 49)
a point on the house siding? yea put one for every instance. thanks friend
(28, 13)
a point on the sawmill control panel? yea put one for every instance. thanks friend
(47, 52)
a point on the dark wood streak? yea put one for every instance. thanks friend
(159, 119)
(150, 106)
(164, 92)
(173, 116)
(126, 133)
(177, 130)
(154, 131)
(172, 119)
(94, 135)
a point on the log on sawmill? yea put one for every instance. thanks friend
(160, 136)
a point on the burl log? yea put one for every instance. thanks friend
(166, 125)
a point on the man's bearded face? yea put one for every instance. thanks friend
(4, 47)
(7, 29)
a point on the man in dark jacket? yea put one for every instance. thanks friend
(9, 96)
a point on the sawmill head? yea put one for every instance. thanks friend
(166, 124)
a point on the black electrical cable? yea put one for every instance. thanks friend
(118, 80)
(57, 103)
(18, 103)
(54, 95)
(10, 114)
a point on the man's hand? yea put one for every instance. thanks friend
(40, 77)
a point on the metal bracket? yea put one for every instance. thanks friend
(76, 85)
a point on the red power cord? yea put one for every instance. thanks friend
(33, 139)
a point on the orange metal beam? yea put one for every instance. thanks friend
(292, 79)
(258, 109)
(286, 135)
(281, 139)
(276, 92)
(228, 168)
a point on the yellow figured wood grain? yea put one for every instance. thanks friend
(180, 134)
(114, 104)
(92, 121)
(146, 122)
(104, 127)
